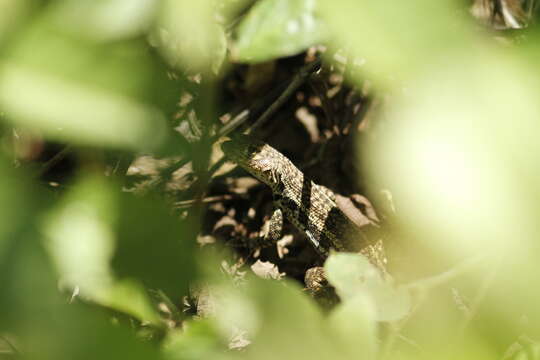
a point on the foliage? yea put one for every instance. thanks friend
(110, 258)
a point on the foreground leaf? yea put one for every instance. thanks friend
(353, 275)
(188, 36)
(73, 89)
(353, 325)
(277, 28)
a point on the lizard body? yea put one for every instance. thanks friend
(310, 207)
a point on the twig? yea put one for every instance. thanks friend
(298, 79)
(295, 83)
(234, 123)
(122, 164)
(217, 165)
(59, 156)
(207, 200)
(179, 164)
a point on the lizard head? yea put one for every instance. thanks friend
(258, 158)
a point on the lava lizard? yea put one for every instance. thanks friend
(310, 207)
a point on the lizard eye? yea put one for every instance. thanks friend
(267, 172)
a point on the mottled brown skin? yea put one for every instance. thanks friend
(310, 207)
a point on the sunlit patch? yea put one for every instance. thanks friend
(447, 171)
(450, 156)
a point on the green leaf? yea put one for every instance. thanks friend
(353, 274)
(80, 235)
(188, 35)
(13, 13)
(393, 303)
(29, 287)
(199, 340)
(77, 332)
(130, 297)
(104, 20)
(277, 28)
(14, 204)
(25, 270)
(349, 273)
(275, 318)
(153, 246)
(354, 327)
(395, 39)
(73, 89)
(82, 239)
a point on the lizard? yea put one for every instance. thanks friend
(310, 207)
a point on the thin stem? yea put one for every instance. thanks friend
(295, 83)
(478, 299)
(422, 286)
(207, 200)
(59, 156)
(443, 278)
(234, 123)
(217, 165)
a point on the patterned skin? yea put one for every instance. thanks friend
(308, 206)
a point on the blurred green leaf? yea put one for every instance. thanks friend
(79, 333)
(465, 156)
(94, 228)
(104, 20)
(24, 267)
(89, 116)
(154, 246)
(394, 39)
(29, 289)
(43, 323)
(129, 296)
(81, 91)
(353, 274)
(229, 10)
(349, 273)
(529, 351)
(14, 204)
(29, 292)
(81, 236)
(81, 241)
(393, 303)
(354, 327)
(235, 311)
(277, 28)
(199, 340)
(279, 321)
(13, 14)
(188, 35)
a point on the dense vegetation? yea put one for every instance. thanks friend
(126, 233)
